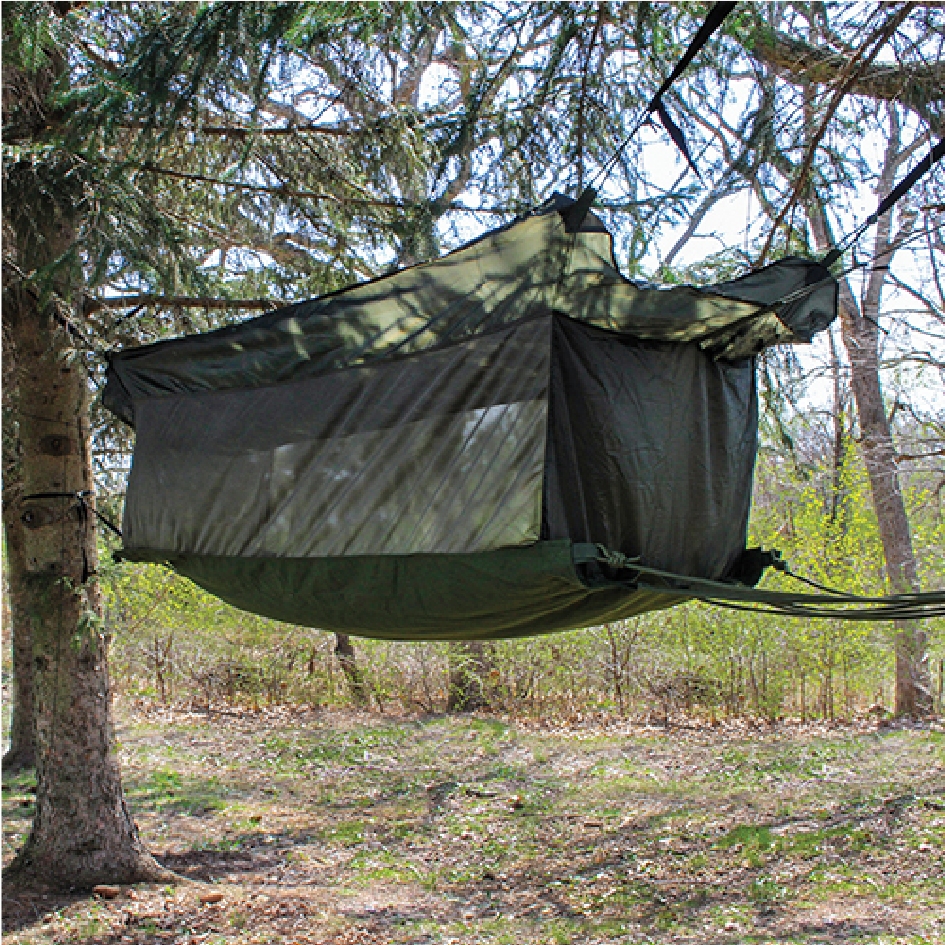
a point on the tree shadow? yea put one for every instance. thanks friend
(26, 904)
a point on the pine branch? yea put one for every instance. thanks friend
(915, 86)
(243, 131)
(91, 305)
(283, 191)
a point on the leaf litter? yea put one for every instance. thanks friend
(297, 825)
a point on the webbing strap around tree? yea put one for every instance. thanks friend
(81, 503)
(834, 604)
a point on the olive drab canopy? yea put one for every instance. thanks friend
(431, 454)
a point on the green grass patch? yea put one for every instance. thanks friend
(748, 836)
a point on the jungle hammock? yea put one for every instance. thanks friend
(510, 440)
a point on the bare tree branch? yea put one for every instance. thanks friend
(91, 305)
(282, 191)
(853, 68)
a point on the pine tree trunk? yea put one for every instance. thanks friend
(22, 751)
(82, 833)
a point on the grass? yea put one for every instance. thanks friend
(337, 828)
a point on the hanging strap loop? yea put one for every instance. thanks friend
(574, 215)
(712, 22)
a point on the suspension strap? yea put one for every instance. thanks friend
(833, 604)
(80, 498)
(889, 201)
(712, 22)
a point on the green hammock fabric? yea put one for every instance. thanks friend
(511, 592)
(415, 457)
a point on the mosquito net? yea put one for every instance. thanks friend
(417, 457)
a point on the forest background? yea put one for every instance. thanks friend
(171, 168)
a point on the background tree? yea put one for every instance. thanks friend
(819, 70)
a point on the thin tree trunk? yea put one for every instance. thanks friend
(912, 686)
(616, 669)
(839, 500)
(82, 833)
(860, 332)
(344, 650)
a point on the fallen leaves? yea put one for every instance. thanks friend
(106, 892)
(317, 830)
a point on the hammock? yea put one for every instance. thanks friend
(430, 455)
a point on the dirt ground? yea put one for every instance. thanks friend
(304, 826)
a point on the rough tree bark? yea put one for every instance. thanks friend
(860, 330)
(82, 832)
(914, 86)
(22, 751)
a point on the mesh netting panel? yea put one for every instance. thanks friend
(442, 452)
